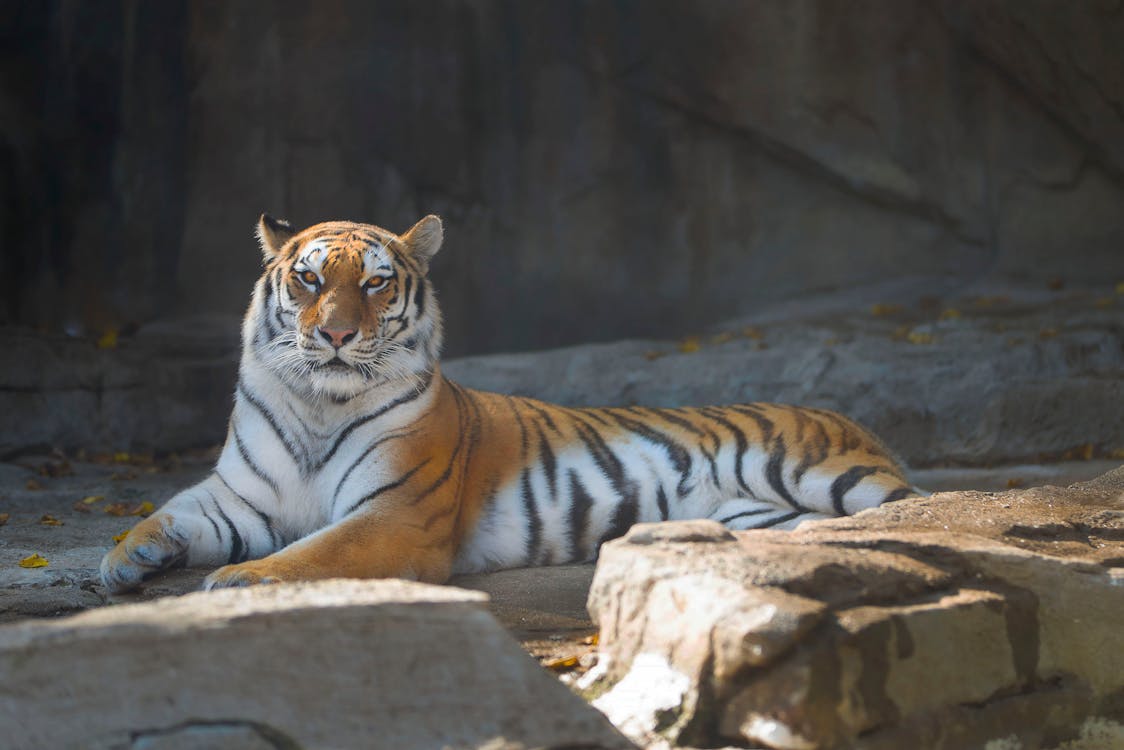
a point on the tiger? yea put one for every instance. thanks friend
(349, 454)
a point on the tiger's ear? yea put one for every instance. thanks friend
(272, 235)
(424, 238)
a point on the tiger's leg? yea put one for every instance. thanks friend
(208, 524)
(747, 513)
(382, 542)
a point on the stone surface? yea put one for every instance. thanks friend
(168, 388)
(953, 621)
(981, 375)
(385, 664)
(658, 165)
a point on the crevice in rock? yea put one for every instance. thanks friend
(277, 739)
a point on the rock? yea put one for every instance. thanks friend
(331, 664)
(943, 622)
(166, 389)
(1001, 383)
(579, 163)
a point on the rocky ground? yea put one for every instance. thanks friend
(992, 389)
(68, 511)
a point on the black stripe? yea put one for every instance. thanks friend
(459, 397)
(668, 416)
(679, 456)
(534, 521)
(845, 482)
(363, 455)
(580, 503)
(299, 456)
(773, 471)
(524, 444)
(238, 552)
(419, 295)
(821, 446)
(624, 517)
(742, 445)
(203, 512)
(899, 494)
(386, 487)
(549, 464)
(778, 520)
(746, 514)
(763, 423)
(710, 459)
(250, 462)
(542, 413)
(661, 502)
(265, 519)
(406, 398)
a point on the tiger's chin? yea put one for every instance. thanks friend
(337, 380)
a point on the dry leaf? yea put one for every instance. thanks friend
(565, 664)
(49, 520)
(33, 484)
(1015, 482)
(919, 337)
(950, 314)
(1103, 303)
(91, 499)
(751, 332)
(1080, 453)
(108, 339)
(4, 518)
(881, 310)
(121, 457)
(123, 476)
(654, 355)
(117, 509)
(34, 561)
(1116, 453)
(1120, 288)
(80, 508)
(721, 338)
(120, 537)
(1055, 283)
(1047, 333)
(145, 509)
(690, 345)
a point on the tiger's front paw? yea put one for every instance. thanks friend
(243, 574)
(154, 544)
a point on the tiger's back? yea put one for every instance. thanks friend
(555, 482)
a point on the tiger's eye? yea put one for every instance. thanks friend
(310, 278)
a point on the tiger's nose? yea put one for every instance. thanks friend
(337, 337)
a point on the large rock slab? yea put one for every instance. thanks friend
(383, 664)
(997, 375)
(945, 622)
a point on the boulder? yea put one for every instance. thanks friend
(953, 621)
(379, 664)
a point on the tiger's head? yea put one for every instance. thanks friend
(343, 307)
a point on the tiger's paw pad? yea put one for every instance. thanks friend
(152, 545)
(242, 574)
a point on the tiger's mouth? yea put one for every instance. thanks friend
(335, 364)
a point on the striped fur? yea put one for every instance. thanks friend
(349, 454)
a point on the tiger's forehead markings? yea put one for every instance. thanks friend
(313, 255)
(376, 258)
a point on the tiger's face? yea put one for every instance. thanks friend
(343, 307)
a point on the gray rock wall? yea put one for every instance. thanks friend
(640, 168)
